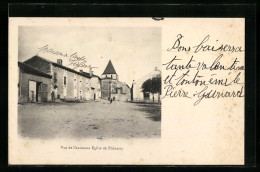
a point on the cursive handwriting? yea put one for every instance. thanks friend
(205, 94)
(46, 49)
(177, 45)
(74, 59)
(200, 74)
(172, 92)
(203, 46)
(77, 61)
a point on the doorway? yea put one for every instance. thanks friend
(38, 92)
(32, 91)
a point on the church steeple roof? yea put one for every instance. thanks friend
(110, 69)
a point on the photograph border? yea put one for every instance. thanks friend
(248, 11)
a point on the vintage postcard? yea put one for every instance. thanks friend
(126, 91)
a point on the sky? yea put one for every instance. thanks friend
(134, 51)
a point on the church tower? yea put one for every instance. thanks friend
(111, 87)
(109, 72)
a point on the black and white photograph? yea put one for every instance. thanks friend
(89, 82)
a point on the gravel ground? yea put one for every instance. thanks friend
(99, 120)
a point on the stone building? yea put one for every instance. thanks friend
(112, 88)
(95, 83)
(66, 83)
(33, 85)
(137, 94)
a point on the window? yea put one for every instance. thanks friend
(65, 82)
(55, 77)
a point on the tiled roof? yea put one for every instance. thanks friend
(71, 70)
(64, 67)
(96, 76)
(109, 69)
(30, 70)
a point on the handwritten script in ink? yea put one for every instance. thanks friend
(74, 59)
(209, 79)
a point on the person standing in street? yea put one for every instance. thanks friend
(52, 96)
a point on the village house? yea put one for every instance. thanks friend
(112, 88)
(66, 83)
(33, 85)
(137, 93)
(95, 83)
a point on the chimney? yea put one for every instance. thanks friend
(59, 61)
(90, 71)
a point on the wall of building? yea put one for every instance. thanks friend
(96, 84)
(57, 79)
(119, 91)
(77, 86)
(70, 86)
(86, 88)
(24, 78)
(80, 88)
(111, 76)
(105, 90)
(123, 92)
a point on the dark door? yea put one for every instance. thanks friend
(44, 97)
(38, 92)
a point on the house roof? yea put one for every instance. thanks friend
(30, 70)
(109, 69)
(85, 74)
(96, 76)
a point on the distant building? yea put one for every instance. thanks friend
(33, 85)
(66, 83)
(112, 88)
(95, 83)
(137, 94)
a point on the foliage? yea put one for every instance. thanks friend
(152, 85)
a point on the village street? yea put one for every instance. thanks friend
(100, 120)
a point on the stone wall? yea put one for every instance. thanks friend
(23, 90)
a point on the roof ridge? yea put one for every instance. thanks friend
(30, 67)
(109, 68)
(61, 66)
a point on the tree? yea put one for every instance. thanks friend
(153, 86)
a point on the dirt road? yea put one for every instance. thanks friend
(99, 120)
